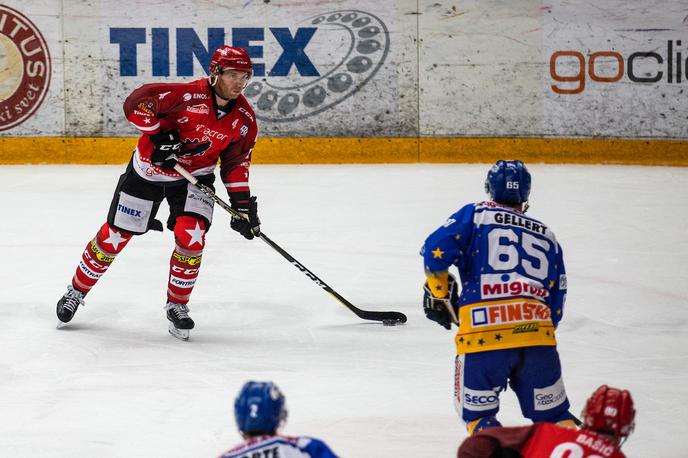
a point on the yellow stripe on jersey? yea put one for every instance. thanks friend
(496, 325)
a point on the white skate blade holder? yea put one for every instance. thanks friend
(181, 334)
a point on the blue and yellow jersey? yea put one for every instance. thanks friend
(512, 276)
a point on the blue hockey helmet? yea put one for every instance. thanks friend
(508, 182)
(259, 408)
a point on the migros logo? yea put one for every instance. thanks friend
(638, 67)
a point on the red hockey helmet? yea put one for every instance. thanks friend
(229, 57)
(610, 411)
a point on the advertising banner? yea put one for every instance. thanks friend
(321, 68)
(30, 69)
(616, 68)
(358, 69)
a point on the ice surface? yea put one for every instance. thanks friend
(114, 383)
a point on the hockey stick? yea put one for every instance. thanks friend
(387, 318)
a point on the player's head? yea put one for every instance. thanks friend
(259, 408)
(610, 411)
(230, 63)
(508, 182)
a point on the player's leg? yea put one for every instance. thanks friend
(479, 378)
(539, 386)
(132, 212)
(95, 261)
(191, 214)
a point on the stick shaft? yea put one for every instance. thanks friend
(365, 314)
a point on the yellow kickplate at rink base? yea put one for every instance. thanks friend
(313, 150)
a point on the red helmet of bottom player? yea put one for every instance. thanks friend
(230, 58)
(610, 411)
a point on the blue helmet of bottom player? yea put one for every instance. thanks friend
(508, 182)
(260, 408)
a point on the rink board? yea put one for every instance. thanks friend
(358, 69)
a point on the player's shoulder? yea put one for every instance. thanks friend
(191, 92)
(466, 209)
(315, 448)
(245, 109)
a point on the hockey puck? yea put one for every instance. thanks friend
(390, 322)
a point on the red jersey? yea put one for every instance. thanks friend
(207, 133)
(542, 440)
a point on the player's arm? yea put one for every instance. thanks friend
(143, 109)
(444, 247)
(558, 291)
(235, 162)
(496, 443)
(315, 448)
(149, 103)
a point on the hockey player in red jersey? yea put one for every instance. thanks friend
(608, 419)
(193, 124)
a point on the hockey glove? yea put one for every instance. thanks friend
(166, 149)
(443, 311)
(247, 227)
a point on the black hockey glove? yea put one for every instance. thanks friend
(247, 227)
(442, 311)
(166, 149)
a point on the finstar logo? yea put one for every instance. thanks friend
(509, 313)
(611, 67)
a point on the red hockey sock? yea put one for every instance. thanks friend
(98, 255)
(189, 235)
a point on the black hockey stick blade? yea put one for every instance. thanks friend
(387, 318)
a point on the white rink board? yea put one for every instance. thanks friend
(391, 68)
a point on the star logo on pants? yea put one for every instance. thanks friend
(114, 239)
(196, 235)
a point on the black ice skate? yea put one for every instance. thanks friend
(180, 322)
(67, 305)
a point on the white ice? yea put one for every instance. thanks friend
(113, 383)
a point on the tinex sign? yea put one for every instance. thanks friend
(24, 68)
(300, 69)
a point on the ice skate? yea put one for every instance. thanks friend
(67, 305)
(180, 321)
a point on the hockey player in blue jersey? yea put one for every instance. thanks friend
(513, 287)
(260, 411)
